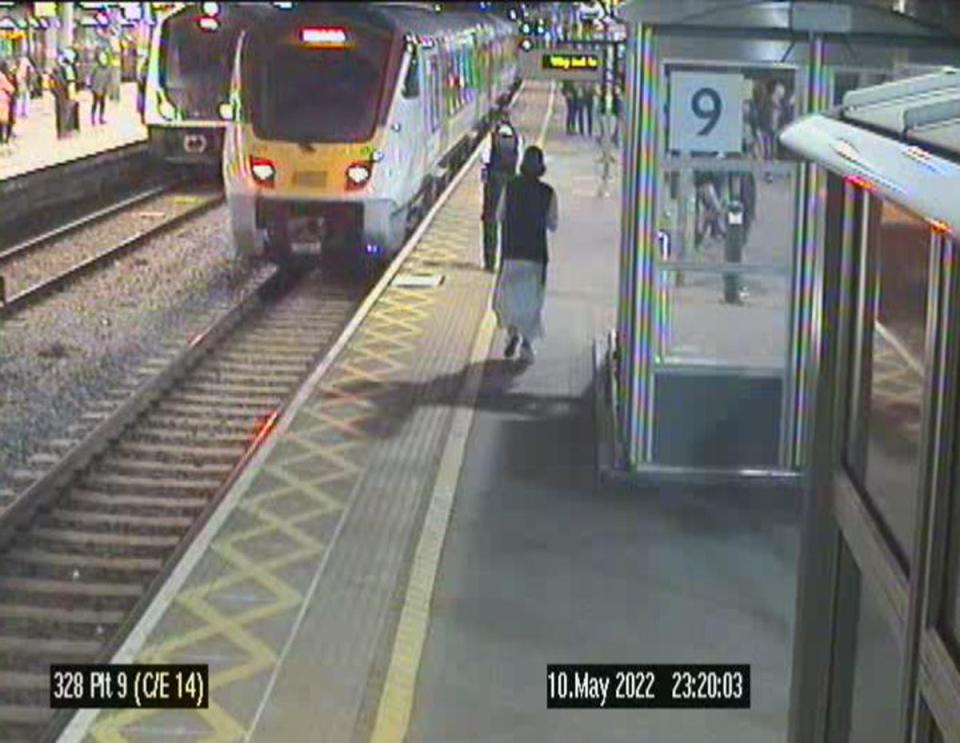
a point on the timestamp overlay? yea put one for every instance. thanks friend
(648, 686)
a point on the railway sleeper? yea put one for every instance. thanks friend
(150, 523)
(51, 540)
(258, 389)
(245, 377)
(14, 568)
(182, 454)
(13, 612)
(54, 530)
(161, 466)
(189, 413)
(36, 554)
(192, 426)
(210, 441)
(27, 697)
(121, 502)
(108, 482)
(22, 723)
(262, 403)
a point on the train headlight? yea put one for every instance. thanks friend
(263, 171)
(357, 175)
(167, 109)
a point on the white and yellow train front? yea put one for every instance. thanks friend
(340, 121)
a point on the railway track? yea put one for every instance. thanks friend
(83, 549)
(44, 264)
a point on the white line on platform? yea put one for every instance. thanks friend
(79, 726)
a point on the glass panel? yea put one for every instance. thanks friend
(875, 706)
(698, 208)
(699, 324)
(951, 615)
(901, 246)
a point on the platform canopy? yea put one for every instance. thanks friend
(901, 139)
(786, 15)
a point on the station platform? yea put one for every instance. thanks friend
(35, 145)
(423, 532)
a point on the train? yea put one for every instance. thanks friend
(346, 120)
(187, 79)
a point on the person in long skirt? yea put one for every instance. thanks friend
(527, 209)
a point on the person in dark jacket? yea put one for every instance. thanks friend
(527, 209)
(585, 122)
(499, 165)
(100, 80)
(570, 96)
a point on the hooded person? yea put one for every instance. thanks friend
(526, 210)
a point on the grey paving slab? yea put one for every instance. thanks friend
(541, 567)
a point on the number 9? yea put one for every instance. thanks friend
(711, 113)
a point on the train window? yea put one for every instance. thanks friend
(411, 84)
(195, 65)
(328, 95)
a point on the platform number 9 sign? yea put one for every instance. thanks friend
(706, 112)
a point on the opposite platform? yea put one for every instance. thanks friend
(35, 145)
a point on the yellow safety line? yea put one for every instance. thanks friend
(396, 699)
(542, 137)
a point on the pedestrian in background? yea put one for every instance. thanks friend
(587, 97)
(24, 74)
(499, 165)
(527, 209)
(569, 95)
(6, 104)
(100, 79)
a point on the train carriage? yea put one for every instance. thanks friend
(188, 78)
(346, 118)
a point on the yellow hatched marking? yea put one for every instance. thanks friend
(388, 335)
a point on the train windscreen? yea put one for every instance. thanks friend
(195, 64)
(330, 92)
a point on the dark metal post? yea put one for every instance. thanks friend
(733, 251)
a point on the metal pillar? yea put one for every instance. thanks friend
(65, 32)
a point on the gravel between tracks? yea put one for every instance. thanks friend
(60, 357)
(65, 252)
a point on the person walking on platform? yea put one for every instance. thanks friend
(100, 80)
(527, 209)
(24, 74)
(570, 96)
(499, 166)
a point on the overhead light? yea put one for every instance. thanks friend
(210, 9)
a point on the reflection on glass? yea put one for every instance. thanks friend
(700, 324)
(901, 245)
(951, 614)
(875, 706)
(712, 216)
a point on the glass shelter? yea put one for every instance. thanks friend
(790, 309)
(723, 226)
